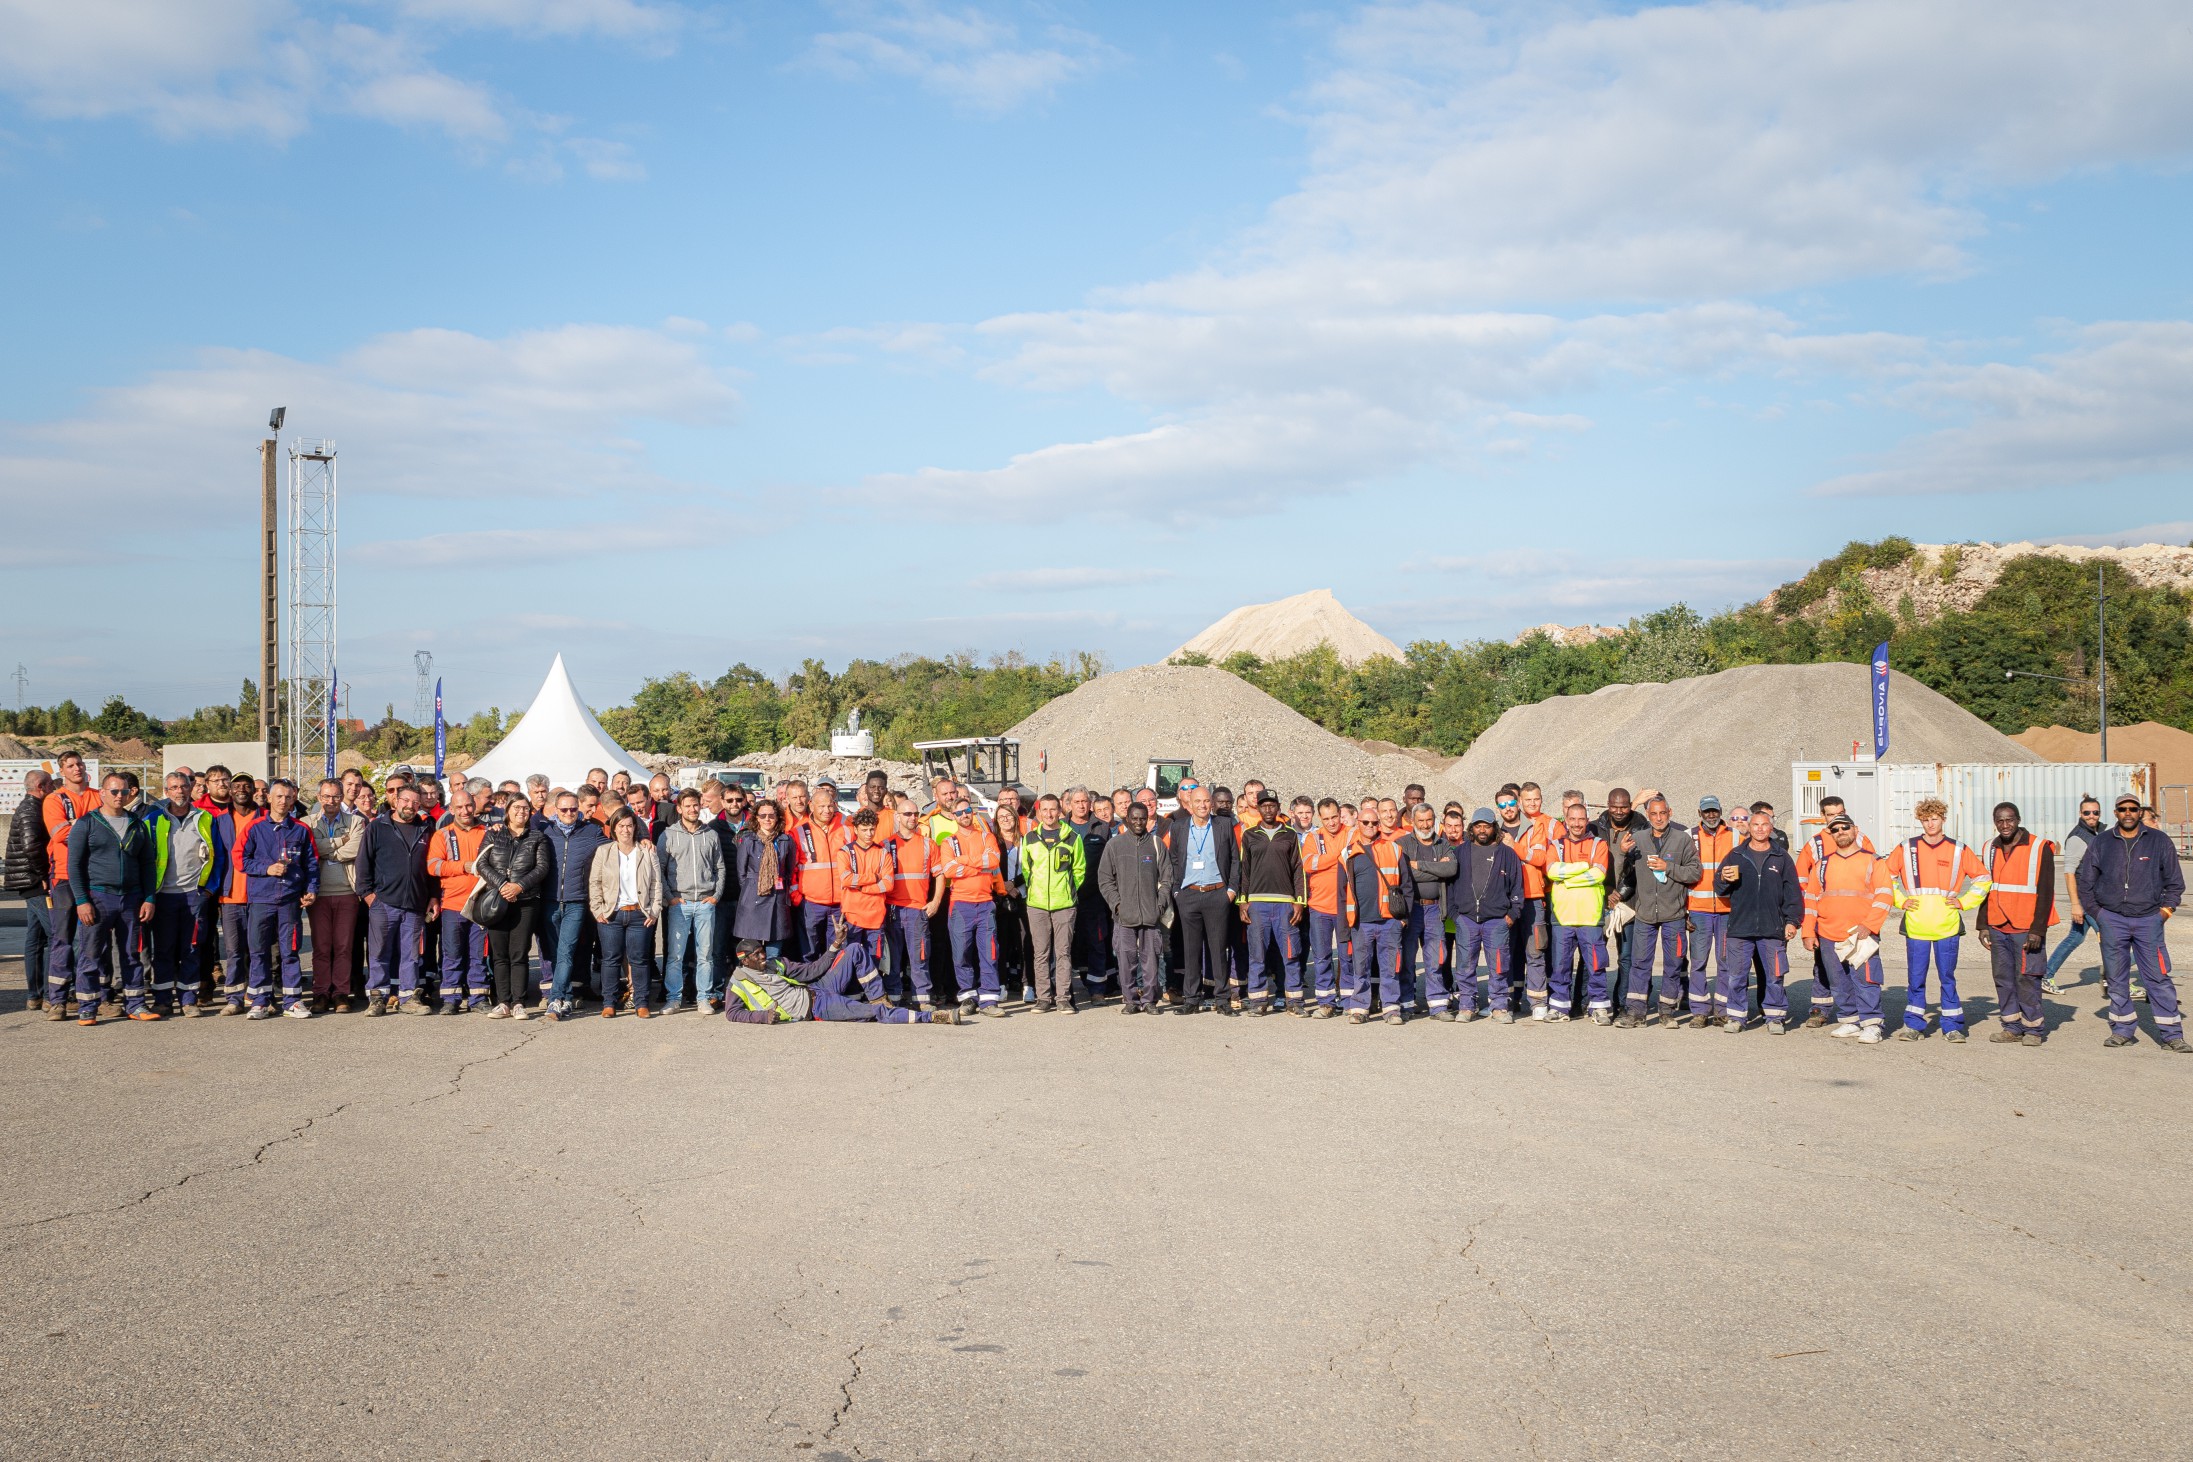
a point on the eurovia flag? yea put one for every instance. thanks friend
(441, 732)
(1880, 701)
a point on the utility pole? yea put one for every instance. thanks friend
(2101, 653)
(270, 587)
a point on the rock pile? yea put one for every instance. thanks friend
(1289, 627)
(2170, 749)
(1733, 734)
(1104, 732)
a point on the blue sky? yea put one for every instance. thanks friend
(673, 335)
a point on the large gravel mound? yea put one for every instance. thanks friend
(1291, 626)
(1104, 732)
(1732, 734)
(2169, 748)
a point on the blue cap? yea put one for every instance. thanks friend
(1483, 814)
(1704, 803)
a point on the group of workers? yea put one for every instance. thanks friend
(795, 906)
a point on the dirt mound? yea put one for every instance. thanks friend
(1103, 732)
(1289, 627)
(1733, 734)
(806, 763)
(2170, 749)
(13, 750)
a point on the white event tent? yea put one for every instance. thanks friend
(557, 737)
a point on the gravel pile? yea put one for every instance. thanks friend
(1104, 732)
(1732, 734)
(806, 763)
(1288, 627)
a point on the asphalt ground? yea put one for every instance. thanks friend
(1089, 1236)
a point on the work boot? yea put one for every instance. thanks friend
(1446, 1013)
(1775, 1028)
(2033, 1038)
(1816, 1020)
(191, 1012)
(413, 1005)
(376, 1005)
(1733, 1027)
(1602, 1017)
(2116, 1041)
(36, 1002)
(1911, 1033)
(1394, 1015)
(1503, 1016)
(941, 1017)
(2006, 1037)
(1358, 1017)
(2178, 1044)
(1626, 1021)
(1955, 1038)
(232, 1007)
(1321, 1012)
(1538, 1012)
(995, 1010)
(58, 1010)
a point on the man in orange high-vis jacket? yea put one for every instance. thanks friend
(2021, 904)
(816, 839)
(452, 851)
(969, 860)
(229, 831)
(1526, 833)
(1324, 867)
(72, 797)
(1847, 900)
(1379, 892)
(1709, 913)
(916, 895)
(864, 877)
(1809, 853)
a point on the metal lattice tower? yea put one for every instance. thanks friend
(308, 728)
(22, 684)
(422, 707)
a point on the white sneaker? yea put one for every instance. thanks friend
(499, 1012)
(1846, 1030)
(1538, 1012)
(299, 1011)
(1870, 1037)
(519, 1012)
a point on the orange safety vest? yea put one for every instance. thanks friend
(237, 890)
(1713, 850)
(448, 851)
(971, 861)
(1324, 864)
(1385, 855)
(2010, 901)
(61, 809)
(818, 860)
(1847, 891)
(913, 862)
(1530, 850)
(864, 880)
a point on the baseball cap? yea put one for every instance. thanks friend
(1709, 803)
(1840, 819)
(750, 946)
(2126, 799)
(1484, 815)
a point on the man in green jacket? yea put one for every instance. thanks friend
(184, 873)
(1054, 865)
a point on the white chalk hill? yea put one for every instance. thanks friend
(1290, 626)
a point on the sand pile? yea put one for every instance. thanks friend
(1104, 732)
(1289, 627)
(1954, 576)
(1733, 734)
(2170, 749)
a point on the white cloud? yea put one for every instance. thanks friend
(2113, 406)
(436, 415)
(1067, 580)
(971, 58)
(267, 67)
(1526, 586)
(651, 531)
(1469, 170)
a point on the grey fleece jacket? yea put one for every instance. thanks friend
(1659, 901)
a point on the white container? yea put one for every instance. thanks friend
(1881, 796)
(852, 743)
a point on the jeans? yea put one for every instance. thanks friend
(566, 927)
(395, 939)
(627, 942)
(2071, 941)
(688, 922)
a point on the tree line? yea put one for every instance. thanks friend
(2038, 617)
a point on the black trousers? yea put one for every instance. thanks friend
(509, 954)
(1202, 916)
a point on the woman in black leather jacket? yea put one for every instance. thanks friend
(517, 859)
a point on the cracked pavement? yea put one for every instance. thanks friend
(1088, 1237)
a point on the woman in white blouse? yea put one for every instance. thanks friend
(624, 891)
